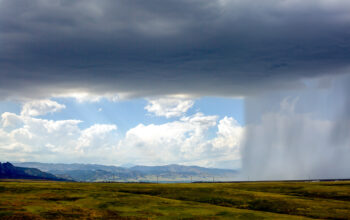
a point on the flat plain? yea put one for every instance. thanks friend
(246, 200)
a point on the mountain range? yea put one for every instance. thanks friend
(102, 173)
(9, 171)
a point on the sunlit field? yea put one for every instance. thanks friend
(270, 200)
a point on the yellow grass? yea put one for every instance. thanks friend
(270, 200)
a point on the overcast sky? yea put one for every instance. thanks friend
(198, 47)
(162, 60)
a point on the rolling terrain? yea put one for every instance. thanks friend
(247, 200)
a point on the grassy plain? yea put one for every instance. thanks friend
(253, 200)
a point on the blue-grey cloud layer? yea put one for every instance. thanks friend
(204, 47)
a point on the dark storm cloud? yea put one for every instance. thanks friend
(200, 47)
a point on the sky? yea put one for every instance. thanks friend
(153, 131)
(238, 84)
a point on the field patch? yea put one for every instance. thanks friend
(266, 200)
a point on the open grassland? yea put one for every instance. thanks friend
(253, 200)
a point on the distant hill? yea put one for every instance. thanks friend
(9, 171)
(174, 168)
(168, 173)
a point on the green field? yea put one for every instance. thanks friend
(254, 200)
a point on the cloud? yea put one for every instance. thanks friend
(184, 141)
(41, 107)
(26, 138)
(169, 107)
(229, 135)
(97, 135)
(169, 142)
(33, 135)
(207, 47)
(10, 120)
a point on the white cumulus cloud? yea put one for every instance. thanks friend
(184, 141)
(170, 142)
(34, 139)
(96, 135)
(41, 107)
(229, 135)
(169, 106)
